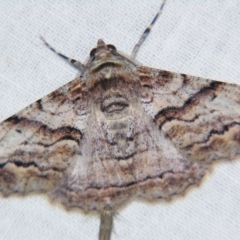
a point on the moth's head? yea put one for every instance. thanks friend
(105, 55)
(102, 51)
(106, 63)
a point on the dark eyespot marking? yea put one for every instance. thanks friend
(93, 52)
(111, 47)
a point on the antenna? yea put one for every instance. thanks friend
(146, 32)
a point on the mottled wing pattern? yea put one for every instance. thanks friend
(118, 132)
(201, 117)
(101, 146)
(37, 143)
(123, 154)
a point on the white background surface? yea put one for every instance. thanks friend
(201, 38)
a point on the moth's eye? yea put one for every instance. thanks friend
(93, 52)
(111, 48)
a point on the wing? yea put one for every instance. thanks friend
(37, 143)
(201, 117)
(124, 155)
(103, 146)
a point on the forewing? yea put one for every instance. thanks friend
(38, 143)
(201, 117)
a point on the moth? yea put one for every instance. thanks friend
(117, 132)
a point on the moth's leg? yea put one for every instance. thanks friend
(73, 62)
(106, 224)
(146, 32)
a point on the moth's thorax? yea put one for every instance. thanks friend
(113, 98)
(115, 106)
(106, 63)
